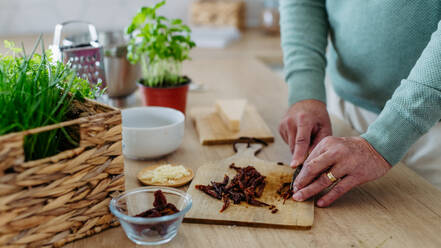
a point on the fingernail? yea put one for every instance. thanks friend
(297, 196)
(320, 203)
(294, 163)
(295, 189)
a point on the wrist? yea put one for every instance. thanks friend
(373, 151)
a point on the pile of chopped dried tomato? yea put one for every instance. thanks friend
(285, 191)
(161, 208)
(246, 186)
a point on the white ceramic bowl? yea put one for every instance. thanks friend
(151, 132)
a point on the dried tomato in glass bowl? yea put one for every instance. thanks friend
(151, 215)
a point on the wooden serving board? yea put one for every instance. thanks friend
(205, 209)
(212, 130)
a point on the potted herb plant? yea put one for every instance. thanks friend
(160, 45)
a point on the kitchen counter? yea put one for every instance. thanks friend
(399, 210)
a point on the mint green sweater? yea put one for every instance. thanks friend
(385, 56)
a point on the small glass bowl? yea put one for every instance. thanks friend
(149, 231)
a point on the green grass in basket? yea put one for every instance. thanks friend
(35, 92)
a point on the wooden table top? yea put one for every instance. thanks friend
(399, 210)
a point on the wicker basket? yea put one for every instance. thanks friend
(230, 13)
(51, 201)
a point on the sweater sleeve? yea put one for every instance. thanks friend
(304, 32)
(414, 107)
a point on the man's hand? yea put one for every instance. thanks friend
(351, 159)
(305, 124)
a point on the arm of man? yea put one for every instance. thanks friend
(412, 110)
(304, 33)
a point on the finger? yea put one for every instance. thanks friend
(291, 133)
(337, 191)
(319, 184)
(282, 131)
(322, 133)
(302, 141)
(312, 168)
(314, 188)
(319, 149)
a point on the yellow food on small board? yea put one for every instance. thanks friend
(160, 175)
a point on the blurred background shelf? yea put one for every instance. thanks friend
(40, 16)
(220, 28)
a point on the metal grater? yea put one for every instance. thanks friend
(85, 56)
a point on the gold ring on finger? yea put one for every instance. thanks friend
(331, 177)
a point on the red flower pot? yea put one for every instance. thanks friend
(171, 97)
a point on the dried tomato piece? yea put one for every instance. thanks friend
(161, 208)
(160, 201)
(209, 190)
(226, 203)
(149, 213)
(258, 203)
(285, 192)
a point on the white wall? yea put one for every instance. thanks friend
(40, 16)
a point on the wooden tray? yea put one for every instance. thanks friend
(212, 130)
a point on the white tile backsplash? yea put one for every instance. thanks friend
(41, 16)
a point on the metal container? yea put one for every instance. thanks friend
(82, 52)
(121, 75)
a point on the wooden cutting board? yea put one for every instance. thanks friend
(205, 209)
(212, 130)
